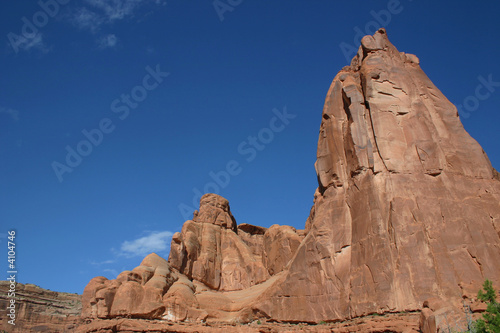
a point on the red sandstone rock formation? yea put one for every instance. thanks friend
(39, 310)
(407, 210)
(407, 206)
(137, 293)
(213, 250)
(211, 255)
(397, 322)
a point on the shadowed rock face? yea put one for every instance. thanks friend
(407, 209)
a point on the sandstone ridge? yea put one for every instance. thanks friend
(39, 310)
(407, 212)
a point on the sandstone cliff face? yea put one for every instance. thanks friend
(407, 209)
(40, 310)
(209, 250)
(407, 206)
(213, 250)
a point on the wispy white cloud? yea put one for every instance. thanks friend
(105, 262)
(84, 18)
(98, 13)
(14, 114)
(155, 242)
(116, 9)
(114, 272)
(36, 42)
(108, 41)
(101, 12)
(28, 44)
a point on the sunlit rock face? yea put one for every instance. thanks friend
(407, 210)
(211, 255)
(212, 249)
(407, 207)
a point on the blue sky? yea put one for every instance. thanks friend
(162, 100)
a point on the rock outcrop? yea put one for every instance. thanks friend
(39, 310)
(137, 293)
(216, 269)
(407, 210)
(407, 206)
(212, 249)
(395, 322)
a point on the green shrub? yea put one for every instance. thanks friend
(490, 323)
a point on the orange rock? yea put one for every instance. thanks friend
(280, 244)
(407, 206)
(210, 250)
(39, 310)
(405, 219)
(137, 293)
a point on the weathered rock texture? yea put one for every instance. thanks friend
(213, 250)
(39, 310)
(396, 322)
(407, 206)
(137, 293)
(407, 210)
(215, 271)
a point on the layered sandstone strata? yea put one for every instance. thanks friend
(38, 309)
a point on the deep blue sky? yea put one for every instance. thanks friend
(225, 78)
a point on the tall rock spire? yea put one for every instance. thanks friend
(407, 210)
(407, 207)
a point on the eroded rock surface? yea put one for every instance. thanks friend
(212, 249)
(39, 310)
(215, 271)
(209, 250)
(407, 206)
(399, 322)
(407, 210)
(137, 293)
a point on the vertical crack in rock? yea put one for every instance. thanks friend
(476, 261)
(371, 274)
(367, 105)
(390, 228)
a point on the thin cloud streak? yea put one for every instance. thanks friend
(115, 9)
(104, 12)
(105, 262)
(28, 44)
(14, 114)
(155, 242)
